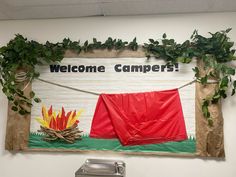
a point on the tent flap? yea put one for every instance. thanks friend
(139, 118)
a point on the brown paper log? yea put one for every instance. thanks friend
(18, 127)
(210, 139)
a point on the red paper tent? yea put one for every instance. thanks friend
(139, 118)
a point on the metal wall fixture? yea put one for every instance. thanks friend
(101, 168)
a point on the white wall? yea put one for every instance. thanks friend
(179, 27)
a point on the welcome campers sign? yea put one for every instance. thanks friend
(129, 105)
(117, 68)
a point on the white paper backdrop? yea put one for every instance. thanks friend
(110, 81)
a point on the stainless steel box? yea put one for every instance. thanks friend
(101, 168)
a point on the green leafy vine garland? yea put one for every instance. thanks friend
(215, 51)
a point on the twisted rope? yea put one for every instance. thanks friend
(68, 87)
(22, 76)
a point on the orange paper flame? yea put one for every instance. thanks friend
(60, 121)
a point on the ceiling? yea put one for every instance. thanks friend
(40, 9)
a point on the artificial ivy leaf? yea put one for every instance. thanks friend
(48, 53)
(94, 40)
(205, 110)
(224, 82)
(78, 49)
(151, 40)
(16, 102)
(86, 43)
(22, 101)
(4, 89)
(232, 52)
(29, 104)
(184, 59)
(233, 92)
(37, 100)
(188, 60)
(194, 33)
(212, 74)
(66, 41)
(197, 73)
(215, 98)
(32, 94)
(22, 112)
(164, 35)
(203, 80)
(181, 59)
(230, 71)
(222, 93)
(133, 45)
(230, 44)
(14, 108)
(210, 122)
(234, 84)
(10, 98)
(228, 30)
(20, 91)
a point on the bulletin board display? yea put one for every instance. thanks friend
(121, 102)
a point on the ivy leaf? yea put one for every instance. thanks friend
(94, 40)
(180, 59)
(22, 112)
(37, 100)
(164, 36)
(203, 80)
(151, 40)
(10, 98)
(48, 53)
(205, 110)
(14, 108)
(222, 93)
(224, 83)
(86, 43)
(32, 94)
(234, 84)
(4, 89)
(210, 122)
(133, 45)
(184, 59)
(228, 30)
(233, 92)
(215, 98)
(194, 33)
(16, 102)
(29, 104)
(230, 71)
(197, 72)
